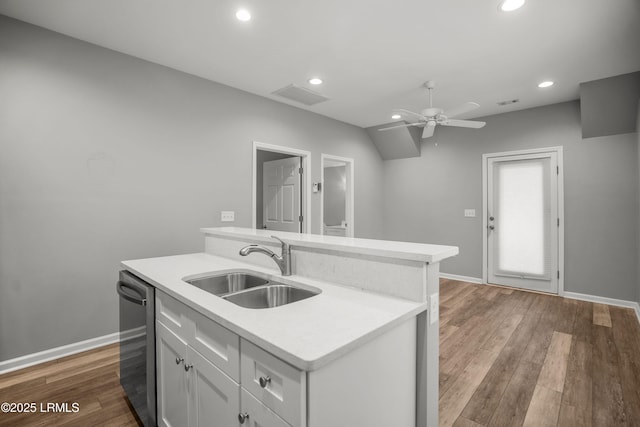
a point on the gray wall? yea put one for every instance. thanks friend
(608, 106)
(425, 197)
(335, 202)
(261, 157)
(104, 157)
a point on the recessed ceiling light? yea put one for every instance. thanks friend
(510, 5)
(396, 116)
(315, 81)
(546, 83)
(243, 15)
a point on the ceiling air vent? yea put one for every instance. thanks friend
(300, 94)
(509, 102)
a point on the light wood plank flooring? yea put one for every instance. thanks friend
(514, 358)
(89, 378)
(507, 358)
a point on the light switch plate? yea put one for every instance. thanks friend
(434, 308)
(470, 213)
(227, 216)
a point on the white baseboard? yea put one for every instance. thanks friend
(604, 300)
(572, 295)
(461, 278)
(66, 350)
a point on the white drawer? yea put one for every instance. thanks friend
(173, 314)
(283, 387)
(216, 343)
(259, 415)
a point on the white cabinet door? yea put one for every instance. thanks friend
(171, 379)
(214, 398)
(278, 385)
(258, 415)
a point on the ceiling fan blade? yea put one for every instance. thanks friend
(401, 126)
(461, 109)
(427, 132)
(409, 114)
(463, 123)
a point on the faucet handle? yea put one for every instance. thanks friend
(285, 245)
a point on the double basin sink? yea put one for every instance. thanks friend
(251, 289)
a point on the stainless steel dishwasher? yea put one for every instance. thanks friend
(137, 345)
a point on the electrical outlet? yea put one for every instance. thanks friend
(470, 213)
(227, 216)
(434, 308)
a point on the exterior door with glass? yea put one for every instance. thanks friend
(523, 221)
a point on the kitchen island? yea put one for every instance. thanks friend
(364, 350)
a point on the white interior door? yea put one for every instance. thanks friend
(281, 195)
(523, 221)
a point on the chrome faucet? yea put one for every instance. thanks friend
(283, 261)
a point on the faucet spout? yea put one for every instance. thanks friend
(283, 261)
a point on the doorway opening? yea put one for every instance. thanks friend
(523, 216)
(280, 200)
(336, 203)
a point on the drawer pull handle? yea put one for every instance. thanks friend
(264, 381)
(187, 367)
(242, 417)
(179, 360)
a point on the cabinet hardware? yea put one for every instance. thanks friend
(242, 417)
(264, 381)
(187, 367)
(179, 360)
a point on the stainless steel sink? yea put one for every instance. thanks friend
(251, 290)
(269, 296)
(222, 284)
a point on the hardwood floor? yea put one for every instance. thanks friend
(89, 379)
(507, 358)
(514, 358)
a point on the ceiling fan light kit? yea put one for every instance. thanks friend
(431, 116)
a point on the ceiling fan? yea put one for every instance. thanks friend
(430, 117)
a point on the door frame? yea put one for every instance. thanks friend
(485, 170)
(350, 217)
(305, 202)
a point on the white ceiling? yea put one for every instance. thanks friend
(373, 55)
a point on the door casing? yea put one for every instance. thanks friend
(485, 170)
(306, 180)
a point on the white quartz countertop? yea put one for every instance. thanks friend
(384, 248)
(307, 334)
